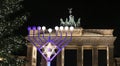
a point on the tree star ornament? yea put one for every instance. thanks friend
(49, 49)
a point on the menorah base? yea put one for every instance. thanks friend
(48, 63)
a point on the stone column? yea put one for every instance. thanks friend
(60, 58)
(82, 55)
(34, 56)
(79, 56)
(31, 55)
(94, 56)
(111, 59)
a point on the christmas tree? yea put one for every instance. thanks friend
(12, 17)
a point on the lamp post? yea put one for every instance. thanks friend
(49, 46)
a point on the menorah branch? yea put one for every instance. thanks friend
(49, 47)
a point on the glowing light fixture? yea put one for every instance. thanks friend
(48, 47)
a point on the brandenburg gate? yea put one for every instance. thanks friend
(94, 47)
(94, 40)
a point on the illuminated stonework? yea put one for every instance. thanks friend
(82, 39)
(70, 21)
(91, 39)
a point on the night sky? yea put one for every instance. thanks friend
(94, 14)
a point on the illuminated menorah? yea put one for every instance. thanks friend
(49, 46)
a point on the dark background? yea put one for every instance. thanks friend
(94, 14)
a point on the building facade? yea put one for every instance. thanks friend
(93, 47)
